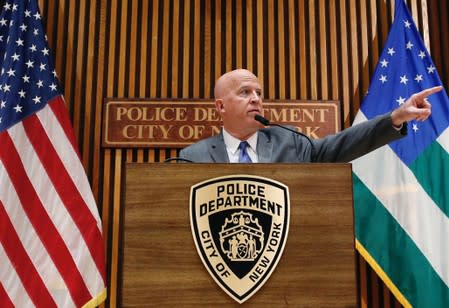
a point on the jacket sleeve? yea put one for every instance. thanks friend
(357, 140)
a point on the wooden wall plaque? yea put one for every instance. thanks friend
(177, 124)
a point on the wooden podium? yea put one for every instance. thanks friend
(161, 266)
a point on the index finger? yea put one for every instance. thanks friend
(429, 91)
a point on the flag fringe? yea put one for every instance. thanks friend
(97, 300)
(376, 267)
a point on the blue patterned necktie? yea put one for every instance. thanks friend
(244, 157)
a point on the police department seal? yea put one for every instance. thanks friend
(240, 225)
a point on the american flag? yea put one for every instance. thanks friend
(51, 246)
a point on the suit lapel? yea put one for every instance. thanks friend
(264, 147)
(217, 149)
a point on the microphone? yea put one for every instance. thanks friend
(266, 122)
(178, 159)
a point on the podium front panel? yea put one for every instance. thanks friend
(160, 265)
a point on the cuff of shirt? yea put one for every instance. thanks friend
(398, 128)
(402, 129)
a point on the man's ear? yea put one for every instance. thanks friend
(219, 105)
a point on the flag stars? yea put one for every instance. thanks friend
(407, 24)
(422, 54)
(404, 79)
(27, 75)
(383, 78)
(431, 69)
(401, 100)
(409, 45)
(418, 78)
(384, 63)
(11, 72)
(37, 99)
(29, 64)
(7, 6)
(15, 57)
(415, 127)
(391, 51)
(18, 108)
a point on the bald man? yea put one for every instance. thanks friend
(238, 98)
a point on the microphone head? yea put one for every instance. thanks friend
(261, 119)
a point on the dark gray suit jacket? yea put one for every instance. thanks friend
(277, 145)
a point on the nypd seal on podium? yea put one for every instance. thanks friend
(240, 226)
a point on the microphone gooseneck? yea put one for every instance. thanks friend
(266, 122)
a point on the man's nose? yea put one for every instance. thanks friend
(255, 98)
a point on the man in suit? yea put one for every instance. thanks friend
(243, 139)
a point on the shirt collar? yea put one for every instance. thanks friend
(233, 143)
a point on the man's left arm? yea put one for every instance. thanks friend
(367, 136)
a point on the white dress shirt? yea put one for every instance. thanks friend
(232, 147)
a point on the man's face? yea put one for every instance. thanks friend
(240, 102)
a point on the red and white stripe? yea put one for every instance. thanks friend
(51, 247)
